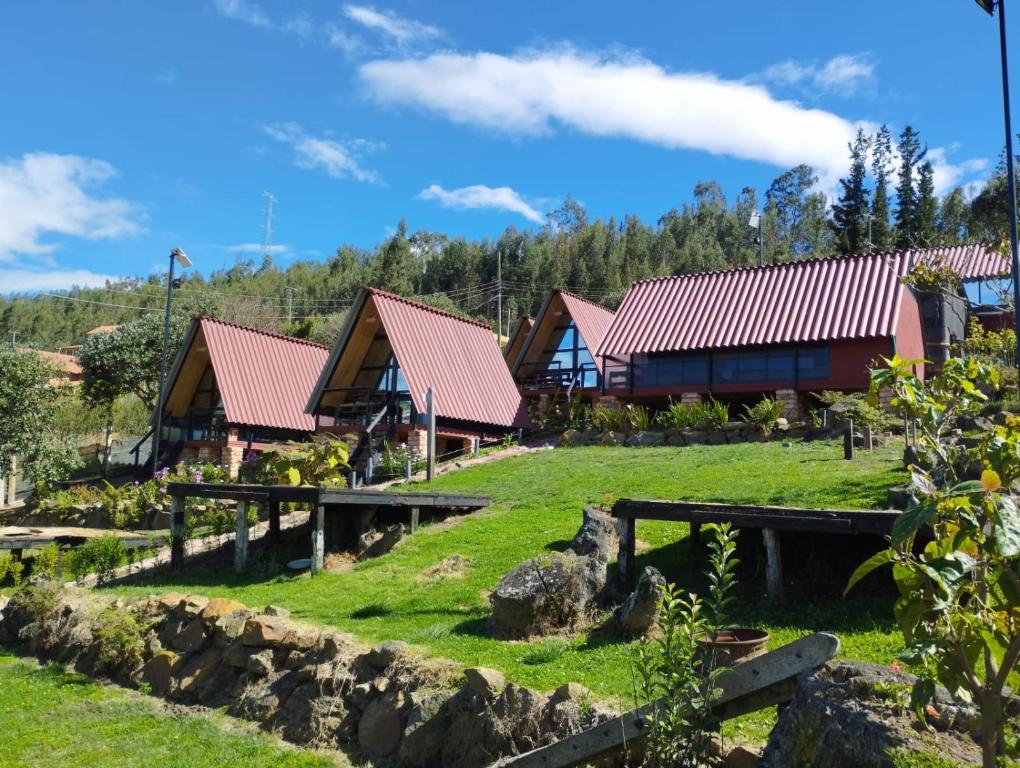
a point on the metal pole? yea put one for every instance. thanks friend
(1010, 174)
(499, 297)
(761, 240)
(430, 451)
(162, 367)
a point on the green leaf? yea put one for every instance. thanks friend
(294, 476)
(966, 488)
(1006, 528)
(875, 561)
(921, 694)
(910, 522)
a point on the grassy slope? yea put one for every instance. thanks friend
(49, 717)
(537, 507)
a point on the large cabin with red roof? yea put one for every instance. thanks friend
(232, 389)
(390, 352)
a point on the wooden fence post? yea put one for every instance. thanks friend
(177, 531)
(773, 565)
(274, 522)
(241, 537)
(848, 440)
(628, 551)
(415, 516)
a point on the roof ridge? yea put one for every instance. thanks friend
(586, 301)
(419, 305)
(261, 332)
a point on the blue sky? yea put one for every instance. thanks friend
(130, 128)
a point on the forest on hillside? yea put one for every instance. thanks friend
(886, 200)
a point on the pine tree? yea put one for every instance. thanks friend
(952, 220)
(911, 154)
(881, 156)
(924, 233)
(848, 213)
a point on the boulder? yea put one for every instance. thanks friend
(645, 438)
(261, 697)
(572, 692)
(217, 608)
(158, 672)
(597, 535)
(381, 726)
(190, 606)
(611, 438)
(260, 664)
(571, 438)
(264, 630)
(845, 715)
(191, 638)
(375, 543)
(546, 594)
(231, 626)
(487, 683)
(386, 653)
(197, 671)
(741, 757)
(275, 610)
(641, 608)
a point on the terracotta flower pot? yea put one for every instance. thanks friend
(736, 645)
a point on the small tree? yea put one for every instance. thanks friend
(959, 605)
(27, 414)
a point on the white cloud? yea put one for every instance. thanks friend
(341, 39)
(481, 196)
(29, 281)
(43, 193)
(301, 25)
(242, 10)
(402, 31)
(254, 248)
(844, 74)
(629, 97)
(948, 174)
(338, 159)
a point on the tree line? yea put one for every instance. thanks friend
(886, 200)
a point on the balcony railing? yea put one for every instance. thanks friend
(555, 375)
(361, 406)
(200, 424)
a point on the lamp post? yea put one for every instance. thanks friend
(755, 222)
(178, 256)
(989, 7)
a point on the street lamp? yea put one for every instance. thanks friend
(755, 223)
(989, 7)
(176, 256)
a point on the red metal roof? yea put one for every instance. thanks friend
(457, 357)
(592, 320)
(973, 261)
(823, 299)
(264, 378)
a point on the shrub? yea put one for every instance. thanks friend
(677, 416)
(638, 417)
(101, 556)
(118, 641)
(394, 460)
(10, 568)
(713, 414)
(45, 562)
(322, 462)
(764, 414)
(852, 405)
(608, 419)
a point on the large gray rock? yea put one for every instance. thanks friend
(382, 725)
(597, 535)
(546, 594)
(641, 608)
(645, 439)
(843, 716)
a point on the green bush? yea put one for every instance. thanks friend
(101, 556)
(714, 415)
(638, 417)
(118, 641)
(45, 562)
(608, 419)
(765, 414)
(678, 416)
(10, 568)
(852, 405)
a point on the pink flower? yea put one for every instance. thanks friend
(895, 667)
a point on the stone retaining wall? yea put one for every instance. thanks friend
(389, 703)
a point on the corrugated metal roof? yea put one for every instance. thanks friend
(823, 299)
(592, 320)
(517, 338)
(263, 378)
(972, 261)
(457, 357)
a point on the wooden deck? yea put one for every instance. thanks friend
(323, 501)
(768, 519)
(19, 538)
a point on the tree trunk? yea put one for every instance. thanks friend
(991, 727)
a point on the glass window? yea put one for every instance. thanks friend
(813, 363)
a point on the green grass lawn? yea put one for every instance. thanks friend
(537, 502)
(50, 717)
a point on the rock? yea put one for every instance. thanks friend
(386, 653)
(572, 692)
(300, 639)
(197, 670)
(715, 437)
(696, 437)
(425, 730)
(741, 757)
(487, 683)
(611, 438)
(264, 630)
(641, 608)
(782, 424)
(219, 607)
(597, 535)
(676, 437)
(376, 543)
(262, 697)
(645, 438)
(261, 663)
(237, 654)
(546, 594)
(168, 602)
(976, 423)
(841, 716)
(191, 638)
(381, 726)
(159, 670)
(275, 610)
(231, 626)
(571, 438)
(190, 606)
